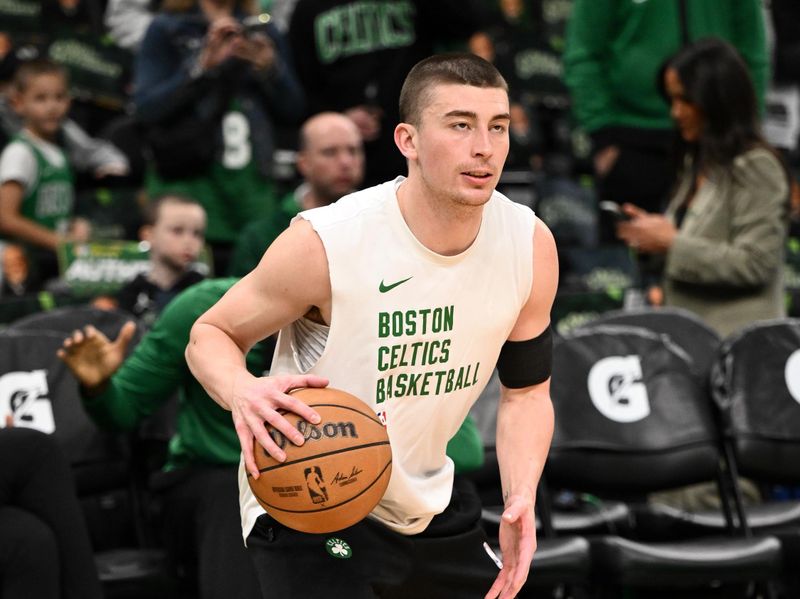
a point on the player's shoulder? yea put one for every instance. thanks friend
(356, 205)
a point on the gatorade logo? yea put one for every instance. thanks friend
(792, 375)
(616, 389)
(23, 396)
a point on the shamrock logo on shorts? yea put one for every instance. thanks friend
(338, 548)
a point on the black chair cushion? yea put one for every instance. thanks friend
(685, 563)
(559, 561)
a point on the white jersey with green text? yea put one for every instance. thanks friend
(414, 334)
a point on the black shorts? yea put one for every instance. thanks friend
(367, 560)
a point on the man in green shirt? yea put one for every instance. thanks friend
(614, 49)
(199, 485)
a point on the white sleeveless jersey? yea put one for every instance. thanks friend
(414, 334)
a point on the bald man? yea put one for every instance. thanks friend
(331, 162)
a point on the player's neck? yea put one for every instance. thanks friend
(439, 224)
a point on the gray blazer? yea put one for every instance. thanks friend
(726, 263)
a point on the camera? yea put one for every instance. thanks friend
(255, 23)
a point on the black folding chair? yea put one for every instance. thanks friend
(632, 419)
(756, 386)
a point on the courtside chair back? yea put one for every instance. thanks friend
(631, 419)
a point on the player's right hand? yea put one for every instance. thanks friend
(255, 403)
(92, 357)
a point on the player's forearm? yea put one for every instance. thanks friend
(216, 361)
(524, 431)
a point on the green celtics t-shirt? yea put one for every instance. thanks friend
(49, 199)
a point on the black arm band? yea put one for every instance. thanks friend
(526, 363)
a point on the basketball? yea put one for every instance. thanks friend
(337, 476)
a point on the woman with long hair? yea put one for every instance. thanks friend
(724, 230)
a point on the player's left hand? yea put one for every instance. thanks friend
(517, 544)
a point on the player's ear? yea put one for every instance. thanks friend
(405, 137)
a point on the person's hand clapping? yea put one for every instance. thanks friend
(646, 232)
(256, 402)
(92, 357)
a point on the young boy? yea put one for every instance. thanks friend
(36, 182)
(175, 230)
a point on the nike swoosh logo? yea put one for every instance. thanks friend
(384, 288)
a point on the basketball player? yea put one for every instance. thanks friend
(416, 287)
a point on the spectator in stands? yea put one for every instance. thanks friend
(331, 161)
(208, 86)
(89, 156)
(174, 228)
(45, 551)
(16, 278)
(199, 483)
(613, 51)
(198, 486)
(724, 231)
(353, 56)
(36, 180)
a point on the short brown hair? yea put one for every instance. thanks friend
(151, 211)
(35, 68)
(456, 68)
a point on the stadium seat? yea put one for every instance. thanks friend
(683, 327)
(756, 386)
(38, 391)
(632, 419)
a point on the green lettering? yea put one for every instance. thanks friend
(439, 375)
(448, 318)
(382, 351)
(328, 34)
(475, 378)
(460, 380)
(383, 324)
(413, 382)
(400, 385)
(426, 379)
(397, 324)
(424, 313)
(380, 391)
(445, 354)
(449, 385)
(411, 322)
(415, 347)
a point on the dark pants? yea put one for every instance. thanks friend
(367, 560)
(44, 545)
(203, 532)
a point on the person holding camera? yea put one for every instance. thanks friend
(211, 78)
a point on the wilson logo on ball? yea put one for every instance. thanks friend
(310, 432)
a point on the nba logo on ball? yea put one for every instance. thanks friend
(316, 485)
(337, 476)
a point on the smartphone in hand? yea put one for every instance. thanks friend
(614, 210)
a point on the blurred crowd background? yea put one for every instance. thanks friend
(206, 99)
